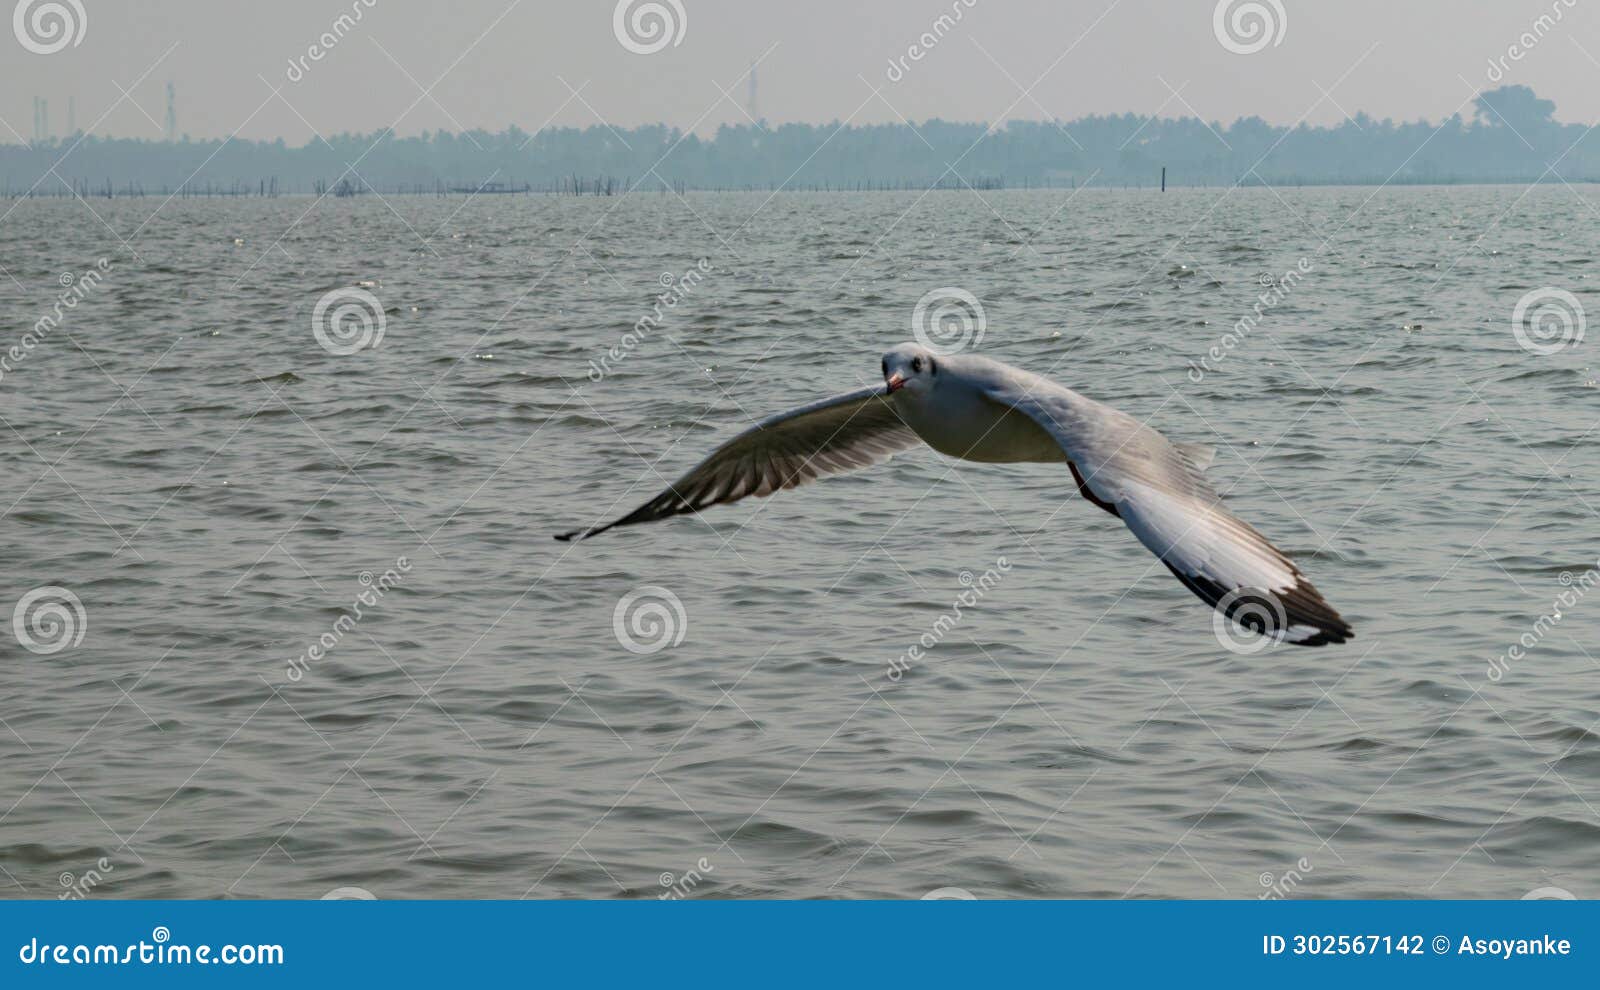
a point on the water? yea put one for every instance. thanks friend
(212, 485)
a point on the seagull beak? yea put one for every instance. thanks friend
(896, 382)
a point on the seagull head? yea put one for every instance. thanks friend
(911, 367)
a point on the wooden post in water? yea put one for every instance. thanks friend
(1163, 178)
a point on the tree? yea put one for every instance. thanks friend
(1515, 106)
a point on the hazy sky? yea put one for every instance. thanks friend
(499, 62)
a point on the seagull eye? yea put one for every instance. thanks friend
(933, 366)
(916, 364)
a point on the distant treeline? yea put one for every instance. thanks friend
(1512, 136)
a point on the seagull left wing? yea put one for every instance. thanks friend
(846, 432)
(1158, 489)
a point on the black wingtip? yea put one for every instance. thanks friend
(576, 534)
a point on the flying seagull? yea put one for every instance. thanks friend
(977, 409)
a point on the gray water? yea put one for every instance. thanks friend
(214, 487)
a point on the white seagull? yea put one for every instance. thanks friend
(981, 410)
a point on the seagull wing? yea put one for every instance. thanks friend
(1158, 489)
(832, 436)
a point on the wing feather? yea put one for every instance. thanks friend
(842, 433)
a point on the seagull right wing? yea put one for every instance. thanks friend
(840, 434)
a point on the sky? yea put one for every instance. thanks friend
(533, 63)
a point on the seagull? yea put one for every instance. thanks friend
(977, 409)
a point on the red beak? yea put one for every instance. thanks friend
(896, 382)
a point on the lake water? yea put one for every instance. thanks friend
(216, 489)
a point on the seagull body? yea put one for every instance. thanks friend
(977, 409)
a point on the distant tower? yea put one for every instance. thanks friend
(755, 114)
(172, 112)
(72, 115)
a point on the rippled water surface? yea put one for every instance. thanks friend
(215, 487)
